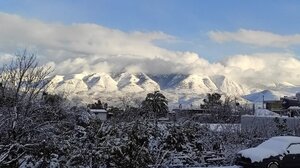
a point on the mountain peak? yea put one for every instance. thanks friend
(228, 86)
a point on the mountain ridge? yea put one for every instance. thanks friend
(186, 88)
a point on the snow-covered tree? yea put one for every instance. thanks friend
(156, 103)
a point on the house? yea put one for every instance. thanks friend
(274, 105)
(100, 114)
(293, 111)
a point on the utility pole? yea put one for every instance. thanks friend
(263, 101)
(234, 105)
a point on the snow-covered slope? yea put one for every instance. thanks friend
(136, 83)
(72, 84)
(284, 85)
(263, 95)
(128, 83)
(100, 82)
(147, 83)
(228, 86)
(196, 83)
(55, 81)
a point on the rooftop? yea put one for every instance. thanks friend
(288, 139)
(98, 110)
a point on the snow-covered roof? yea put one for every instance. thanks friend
(290, 98)
(287, 139)
(294, 108)
(98, 110)
(272, 147)
(264, 112)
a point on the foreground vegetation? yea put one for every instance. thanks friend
(43, 130)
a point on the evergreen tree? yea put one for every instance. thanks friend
(156, 103)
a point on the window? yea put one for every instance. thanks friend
(294, 149)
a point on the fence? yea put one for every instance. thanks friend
(266, 124)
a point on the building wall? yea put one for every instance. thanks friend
(274, 105)
(100, 114)
(266, 125)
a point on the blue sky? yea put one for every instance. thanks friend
(189, 21)
(177, 17)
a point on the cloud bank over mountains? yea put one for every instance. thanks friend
(256, 38)
(93, 48)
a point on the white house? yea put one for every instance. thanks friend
(99, 114)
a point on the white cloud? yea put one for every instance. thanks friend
(90, 47)
(264, 68)
(94, 48)
(5, 58)
(257, 38)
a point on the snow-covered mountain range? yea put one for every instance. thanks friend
(179, 88)
(140, 82)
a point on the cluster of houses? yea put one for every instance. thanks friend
(286, 106)
(286, 110)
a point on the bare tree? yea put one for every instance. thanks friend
(22, 82)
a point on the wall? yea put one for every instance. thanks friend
(266, 124)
